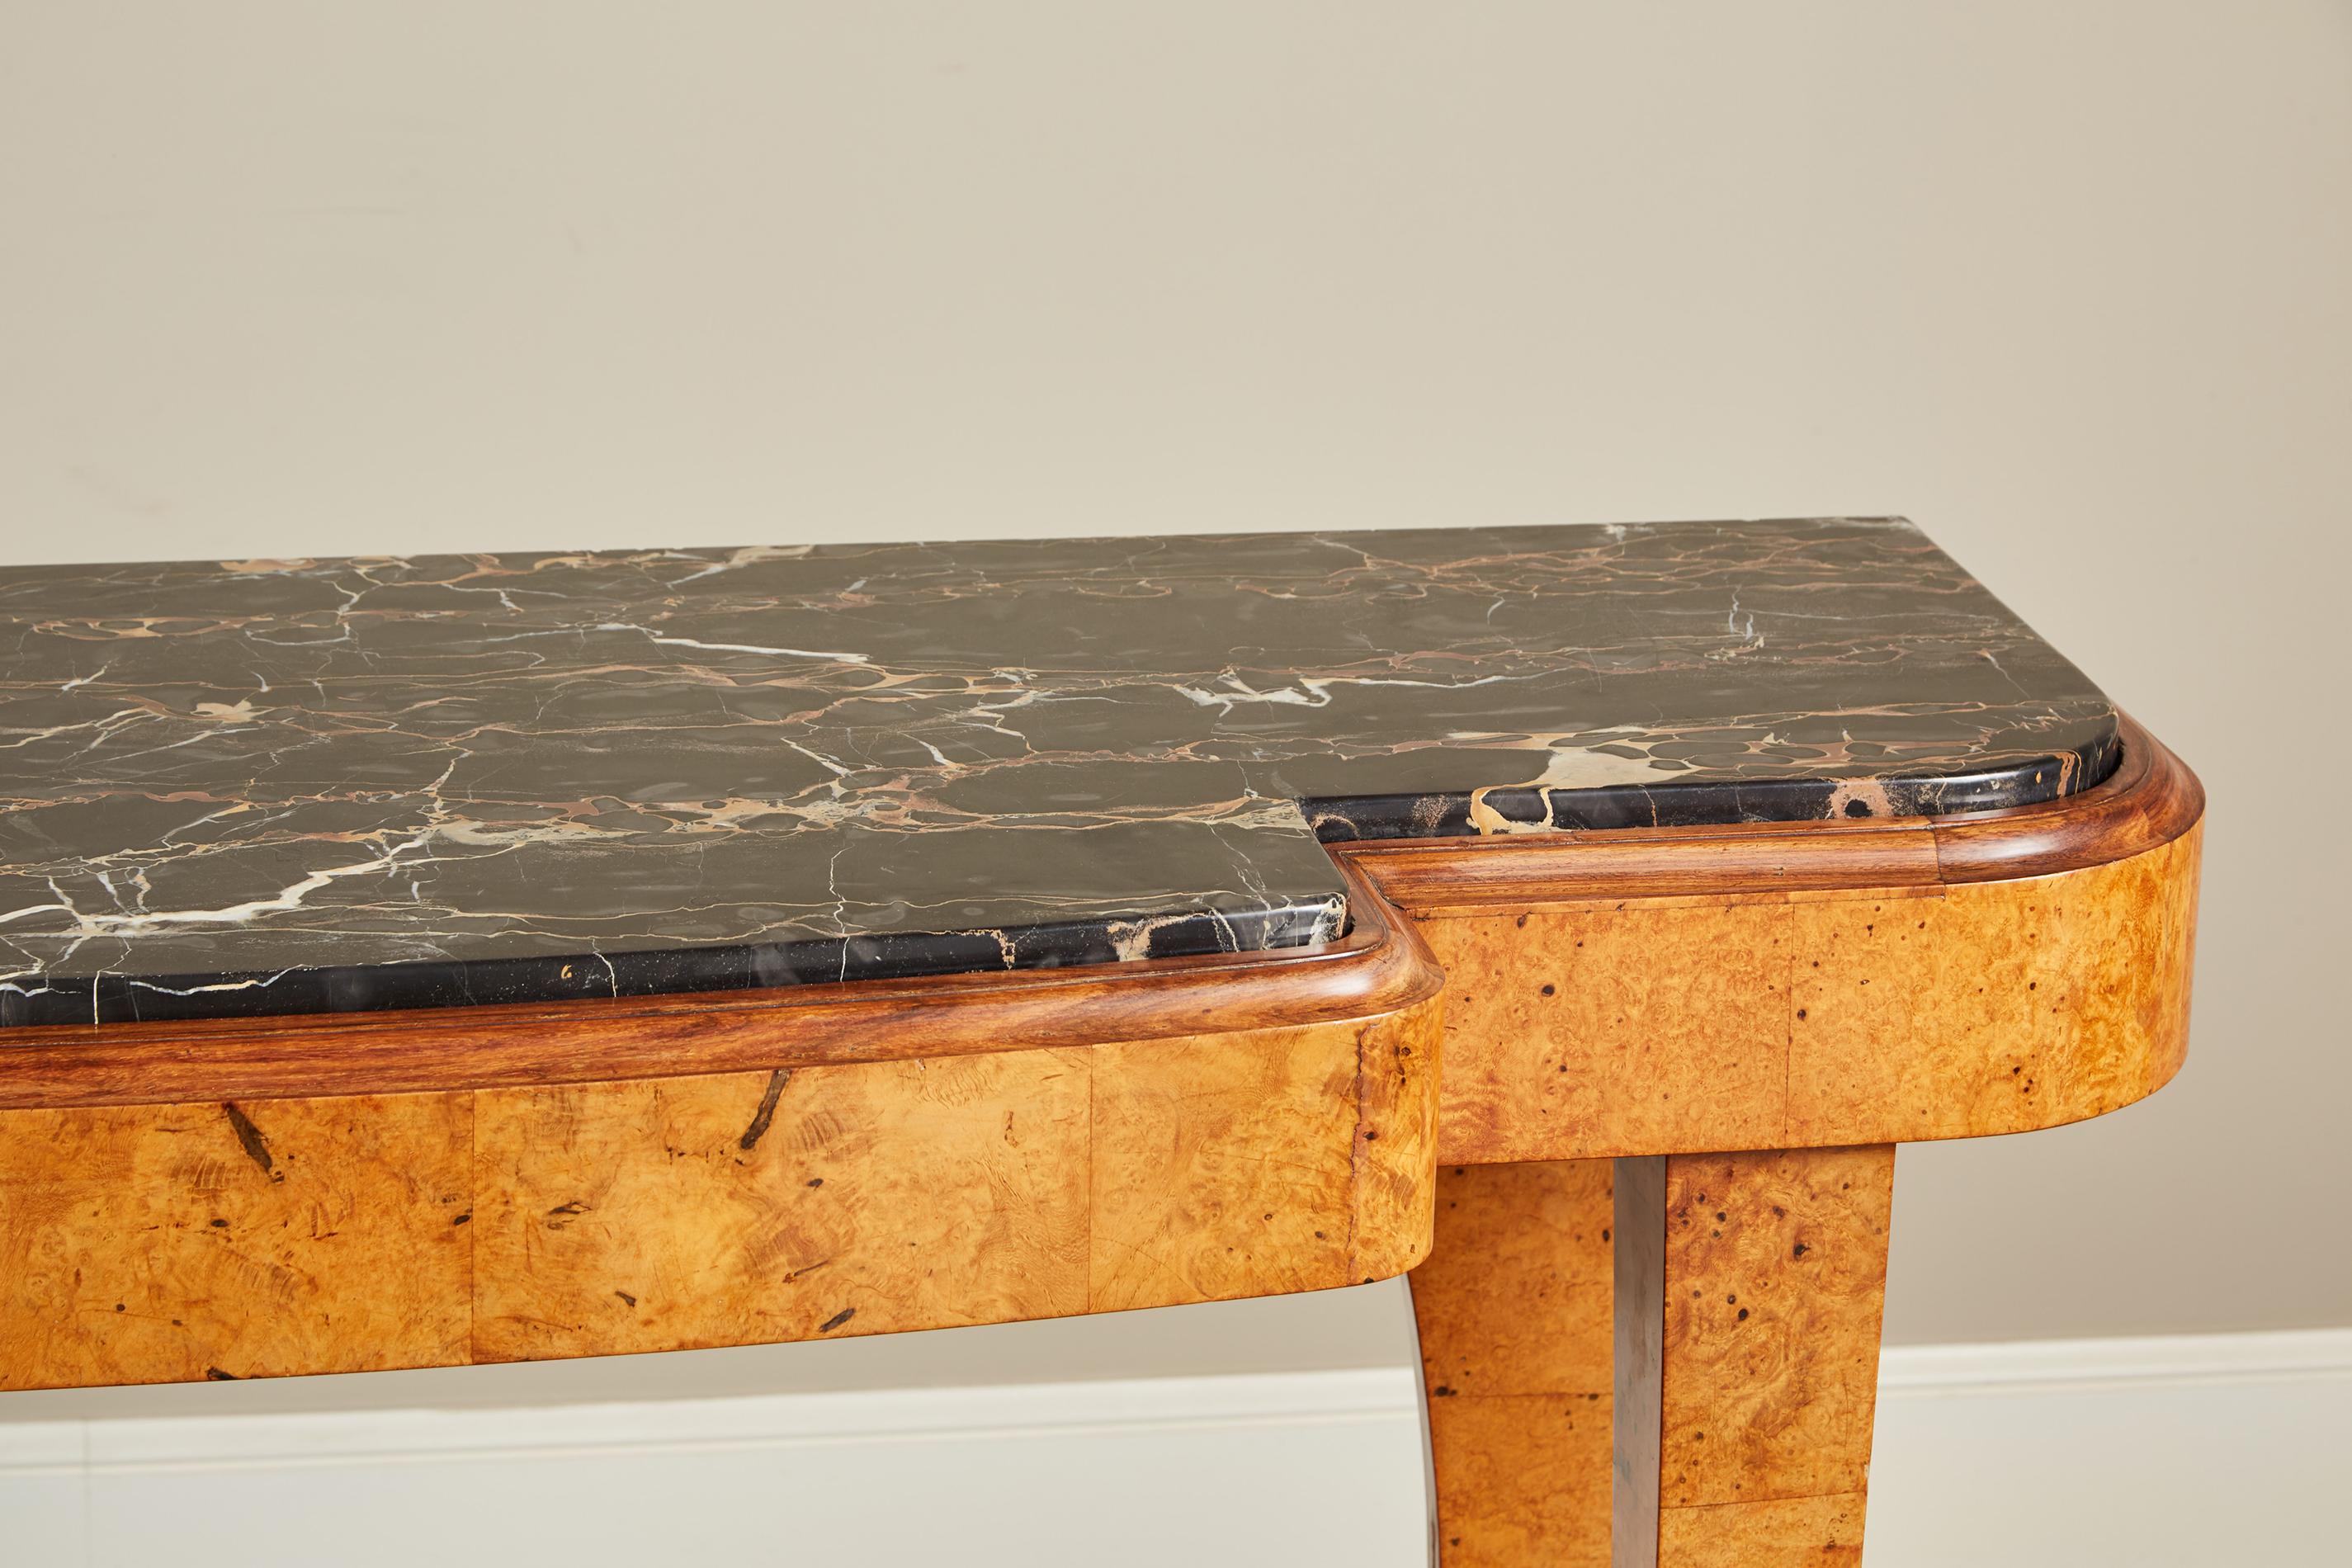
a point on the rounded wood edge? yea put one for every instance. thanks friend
(2151, 799)
(2107, 950)
(1381, 967)
(2140, 1050)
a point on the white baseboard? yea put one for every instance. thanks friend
(1248, 1433)
(1165, 1472)
(1235, 1450)
(2193, 1451)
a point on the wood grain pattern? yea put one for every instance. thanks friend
(756, 1209)
(718, 1209)
(1775, 1281)
(1512, 1306)
(1398, 1066)
(1757, 1359)
(1679, 991)
(177, 1243)
(1522, 1480)
(1590, 1033)
(1998, 1008)
(1514, 1296)
(1185, 1140)
(1791, 1533)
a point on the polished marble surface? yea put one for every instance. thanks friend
(272, 786)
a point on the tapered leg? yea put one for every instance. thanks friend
(1743, 1438)
(1717, 1315)
(1512, 1306)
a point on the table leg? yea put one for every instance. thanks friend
(1513, 1309)
(1748, 1294)
(1744, 1293)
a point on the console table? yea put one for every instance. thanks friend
(420, 962)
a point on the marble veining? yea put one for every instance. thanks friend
(285, 786)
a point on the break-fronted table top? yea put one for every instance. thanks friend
(290, 786)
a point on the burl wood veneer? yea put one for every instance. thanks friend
(1515, 1319)
(1785, 984)
(955, 1174)
(1730, 1420)
(1804, 997)
(1774, 1278)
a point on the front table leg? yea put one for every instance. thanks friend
(1513, 1309)
(1747, 1292)
(1747, 1295)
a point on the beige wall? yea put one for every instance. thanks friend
(2070, 284)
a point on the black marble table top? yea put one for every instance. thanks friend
(286, 786)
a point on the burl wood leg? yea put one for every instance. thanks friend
(1747, 1295)
(1717, 1313)
(1513, 1307)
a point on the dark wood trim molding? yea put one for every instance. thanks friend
(2151, 800)
(1380, 968)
